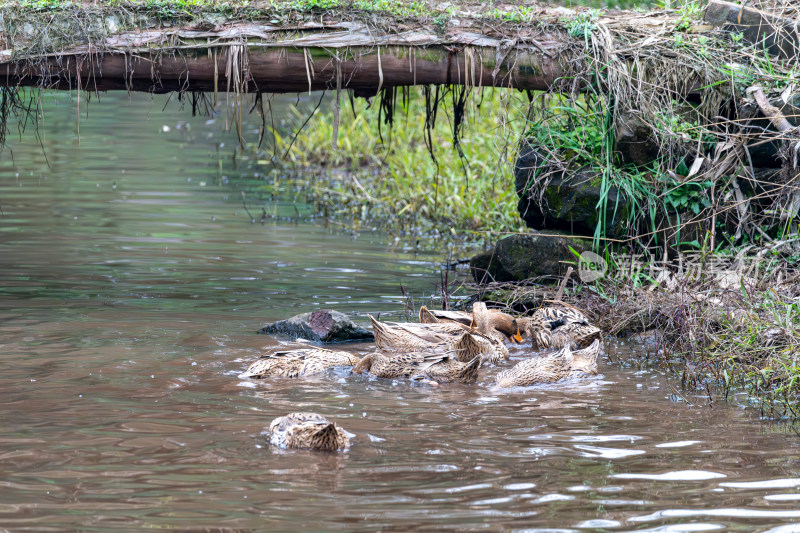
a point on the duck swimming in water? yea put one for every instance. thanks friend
(491, 322)
(299, 362)
(438, 337)
(437, 367)
(556, 327)
(307, 430)
(564, 364)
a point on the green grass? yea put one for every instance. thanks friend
(389, 176)
(427, 9)
(721, 333)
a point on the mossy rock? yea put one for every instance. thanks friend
(570, 201)
(530, 255)
(634, 142)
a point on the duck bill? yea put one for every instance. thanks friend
(516, 337)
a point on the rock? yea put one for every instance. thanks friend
(486, 268)
(324, 325)
(521, 299)
(765, 154)
(520, 257)
(568, 203)
(779, 35)
(633, 141)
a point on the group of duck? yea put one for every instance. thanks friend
(448, 346)
(445, 346)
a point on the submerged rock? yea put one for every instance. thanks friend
(531, 255)
(325, 325)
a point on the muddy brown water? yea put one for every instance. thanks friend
(131, 284)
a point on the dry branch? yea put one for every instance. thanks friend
(770, 111)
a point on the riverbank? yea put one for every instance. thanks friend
(718, 322)
(722, 320)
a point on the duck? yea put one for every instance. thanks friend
(438, 368)
(410, 336)
(491, 322)
(561, 365)
(298, 362)
(556, 327)
(471, 344)
(307, 430)
(438, 337)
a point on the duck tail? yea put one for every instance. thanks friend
(586, 359)
(363, 365)
(480, 317)
(426, 317)
(379, 331)
(465, 347)
(326, 438)
(469, 373)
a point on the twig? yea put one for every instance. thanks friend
(563, 285)
(244, 204)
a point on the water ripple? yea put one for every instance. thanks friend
(784, 483)
(680, 475)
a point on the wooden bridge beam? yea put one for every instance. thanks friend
(256, 58)
(286, 70)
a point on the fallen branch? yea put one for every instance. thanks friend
(770, 111)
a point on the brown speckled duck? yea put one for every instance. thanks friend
(557, 327)
(438, 337)
(307, 430)
(299, 362)
(437, 367)
(564, 364)
(491, 322)
(472, 344)
(410, 336)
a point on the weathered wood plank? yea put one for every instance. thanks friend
(285, 66)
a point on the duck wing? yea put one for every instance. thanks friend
(287, 364)
(320, 360)
(426, 316)
(453, 316)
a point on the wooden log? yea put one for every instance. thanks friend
(773, 113)
(257, 60)
(278, 70)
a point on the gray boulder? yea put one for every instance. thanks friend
(531, 255)
(324, 325)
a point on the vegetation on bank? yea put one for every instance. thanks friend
(408, 175)
(718, 321)
(436, 12)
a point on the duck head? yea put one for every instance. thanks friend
(484, 320)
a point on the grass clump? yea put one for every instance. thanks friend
(411, 177)
(721, 321)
